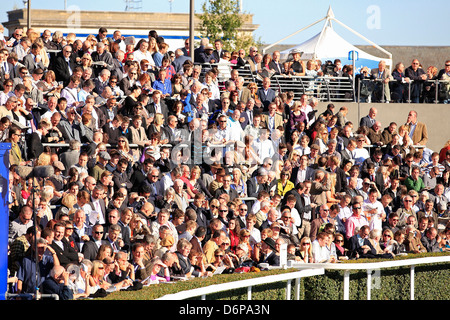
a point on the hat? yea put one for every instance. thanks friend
(38, 71)
(209, 47)
(168, 241)
(104, 155)
(271, 243)
(294, 51)
(59, 165)
(315, 147)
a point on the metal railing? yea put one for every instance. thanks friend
(32, 296)
(325, 88)
(370, 267)
(249, 283)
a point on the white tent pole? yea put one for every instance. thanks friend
(321, 34)
(364, 38)
(273, 44)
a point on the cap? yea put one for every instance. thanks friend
(168, 241)
(315, 147)
(59, 165)
(104, 155)
(209, 47)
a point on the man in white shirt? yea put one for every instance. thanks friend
(70, 92)
(321, 253)
(51, 104)
(263, 146)
(236, 130)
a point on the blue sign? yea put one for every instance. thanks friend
(350, 55)
(4, 216)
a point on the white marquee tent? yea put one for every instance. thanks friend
(328, 45)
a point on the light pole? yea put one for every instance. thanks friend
(191, 29)
(27, 3)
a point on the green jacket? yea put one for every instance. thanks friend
(412, 184)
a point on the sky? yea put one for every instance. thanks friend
(401, 22)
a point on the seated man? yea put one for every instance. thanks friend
(269, 253)
(360, 246)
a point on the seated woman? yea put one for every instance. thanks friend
(221, 259)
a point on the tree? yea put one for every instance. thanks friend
(221, 19)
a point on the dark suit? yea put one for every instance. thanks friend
(105, 57)
(366, 121)
(309, 175)
(164, 109)
(61, 69)
(232, 193)
(120, 179)
(216, 56)
(266, 98)
(66, 255)
(354, 248)
(186, 265)
(90, 249)
(253, 188)
(36, 146)
(203, 215)
(278, 67)
(272, 259)
(9, 70)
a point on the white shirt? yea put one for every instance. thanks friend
(301, 175)
(375, 219)
(344, 213)
(264, 148)
(139, 55)
(360, 155)
(320, 254)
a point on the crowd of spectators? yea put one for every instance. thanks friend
(130, 164)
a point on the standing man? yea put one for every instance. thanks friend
(417, 130)
(418, 75)
(383, 75)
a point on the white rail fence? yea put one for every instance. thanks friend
(308, 270)
(249, 283)
(371, 267)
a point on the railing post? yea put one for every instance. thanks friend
(288, 290)
(412, 282)
(249, 293)
(382, 92)
(346, 284)
(409, 91)
(436, 95)
(297, 289)
(369, 284)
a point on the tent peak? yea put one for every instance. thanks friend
(330, 13)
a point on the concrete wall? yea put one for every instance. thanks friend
(53, 19)
(435, 116)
